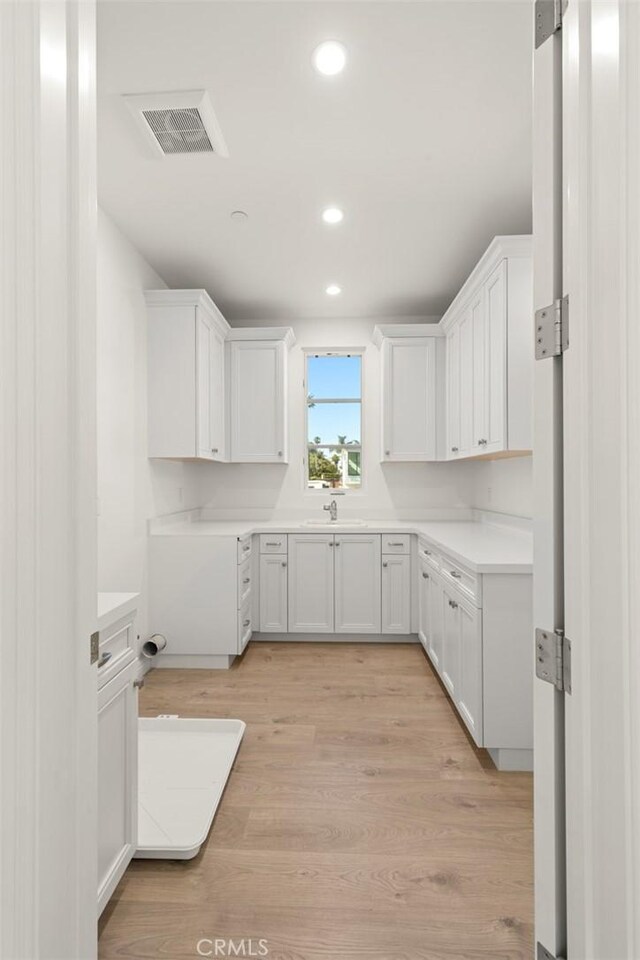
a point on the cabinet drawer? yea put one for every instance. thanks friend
(244, 548)
(116, 648)
(245, 625)
(428, 554)
(244, 582)
(273, 543)
(467, 583)
(396, 542)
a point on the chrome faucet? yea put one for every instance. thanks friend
(333, 510)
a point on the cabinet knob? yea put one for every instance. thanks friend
(284, 563)
(138, 684)
(425, 576)
(455, 574)
(454, 449)
(214, 449)
(482, 443)
(427, 553)
(104, 659)
(387, 453)
(385, 564)
(246, 623)
(247, 580)
(279, 453)
(453, 604)
(337, 543)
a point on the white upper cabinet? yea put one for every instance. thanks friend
(357, 583)
(258, 397)
(412, 357)
(186, 376)
(490, 355)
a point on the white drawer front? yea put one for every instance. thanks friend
(116, 648)
(467, 582)
(396, 542)
(245, 625)
(273, 543)
(427, 553)
(244, 582)
(244, 548)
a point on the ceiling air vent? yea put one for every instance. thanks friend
(178, 123)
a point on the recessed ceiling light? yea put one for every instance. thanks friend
(332, 215)
(333, 290)
(330, 57)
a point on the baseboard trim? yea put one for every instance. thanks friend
(185, 662)
(511, 759)
(335, 637)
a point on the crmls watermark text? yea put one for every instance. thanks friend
(221, 947)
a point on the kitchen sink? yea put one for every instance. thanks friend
(334, 523)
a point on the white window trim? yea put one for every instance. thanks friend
(328, 352)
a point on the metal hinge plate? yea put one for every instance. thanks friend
(543, 954)
(94, 647)
(552, 329)
(553, 658)
(548, 17)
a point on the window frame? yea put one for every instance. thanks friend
(310, 352)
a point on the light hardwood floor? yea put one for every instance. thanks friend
(359, 822)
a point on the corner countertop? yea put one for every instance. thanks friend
(112, 606)
(485, 547)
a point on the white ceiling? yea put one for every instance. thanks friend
(424, 140)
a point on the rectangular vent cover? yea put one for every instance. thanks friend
(178, 123)
(179, 131)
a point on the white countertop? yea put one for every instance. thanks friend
(112, 606)
(484, 547)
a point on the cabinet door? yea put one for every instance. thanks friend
(409, 399)
(436, 626)
(496, 360)
(424, 603)
(453, 392)
(479, 379)
(258, 415)
(204, 386)
(117, 780)
(311, 583)
(217, 397)
(451, 641)
(357, 583)
(396, 594)
(466, 384)
(273, 593)
(469, 693)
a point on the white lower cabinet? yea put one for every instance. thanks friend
(273, 593)
(357, 583)
(462, 658)
(311, 583)
(450, 641)
(117, 780)
(396, 593)
(430, 613)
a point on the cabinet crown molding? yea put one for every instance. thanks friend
(383, 331)
(285, 334)
(188, 298)
(500, 248)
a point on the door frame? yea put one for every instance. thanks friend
(48, 716)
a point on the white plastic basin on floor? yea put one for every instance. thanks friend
(183, 766)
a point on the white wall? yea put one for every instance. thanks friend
(504, 486)
(131, 488)
(392, 489)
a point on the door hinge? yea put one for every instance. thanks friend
(552, 329)
(94, 647)
(548, 17)
(543, 954)
(553, 658)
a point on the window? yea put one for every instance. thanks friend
(334, 421)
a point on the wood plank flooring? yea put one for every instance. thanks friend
(359, 822)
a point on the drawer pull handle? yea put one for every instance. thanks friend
(396, 543)
(455, 574)
(453, 604)
(104, 659)
(246, 623)
(273, 543)
(214, 449)
(425, 576)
